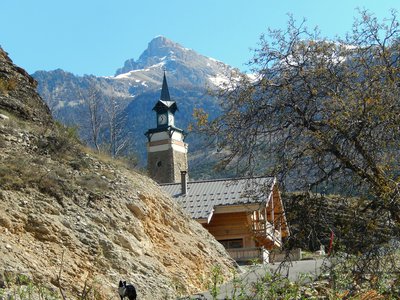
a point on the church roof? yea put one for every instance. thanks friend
(163, 106)
(164, 90)
(165, 103)
(203, 197)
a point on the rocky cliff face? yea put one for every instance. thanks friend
(18, 92)
(70, 218)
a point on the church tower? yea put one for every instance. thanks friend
(166, 149)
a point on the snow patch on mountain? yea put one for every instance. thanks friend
(215, 60)
(218, 80)
(253, 77)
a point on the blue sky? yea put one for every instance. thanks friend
(97, 36)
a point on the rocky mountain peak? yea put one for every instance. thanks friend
(160, 45)
(186, 67)
(159, 50)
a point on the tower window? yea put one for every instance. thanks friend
(159, 163)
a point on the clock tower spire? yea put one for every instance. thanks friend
(166, 149)
(164, 90)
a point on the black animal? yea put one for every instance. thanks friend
(126, 290)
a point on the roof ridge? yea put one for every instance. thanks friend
(221, 179)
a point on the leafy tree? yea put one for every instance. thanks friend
(323, 112)
(324, 115)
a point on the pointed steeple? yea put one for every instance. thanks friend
(165, 104)
(164, 90)
(166, 149)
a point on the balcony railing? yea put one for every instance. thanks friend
(249, 255)
(265, 230)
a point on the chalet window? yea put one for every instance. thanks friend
(232, 244)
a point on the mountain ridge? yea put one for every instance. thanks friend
(137, 86)
(184, 66)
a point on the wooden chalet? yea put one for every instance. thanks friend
(245, 215)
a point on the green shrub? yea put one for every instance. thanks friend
(7, 85)
(92, 182)
(60, 142)
(21, 287)
(12, 174)
(51, 186)
(377, 270)
(78, 164)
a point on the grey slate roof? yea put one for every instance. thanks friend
(203, 196)
(164, 106)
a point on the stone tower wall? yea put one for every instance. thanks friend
(159, 165)
(179, 164)
(166, 166)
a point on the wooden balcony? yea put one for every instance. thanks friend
(267, 234)
(249, 255)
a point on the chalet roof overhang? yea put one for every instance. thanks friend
(280, 211)
(224, 209)
(204, 198)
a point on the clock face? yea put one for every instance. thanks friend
(162, 119)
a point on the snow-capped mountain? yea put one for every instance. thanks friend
(136, 86)
(185, 67)
(186, 70)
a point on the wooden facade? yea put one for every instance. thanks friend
(246, 229)
(245, 215)
(232, 226)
